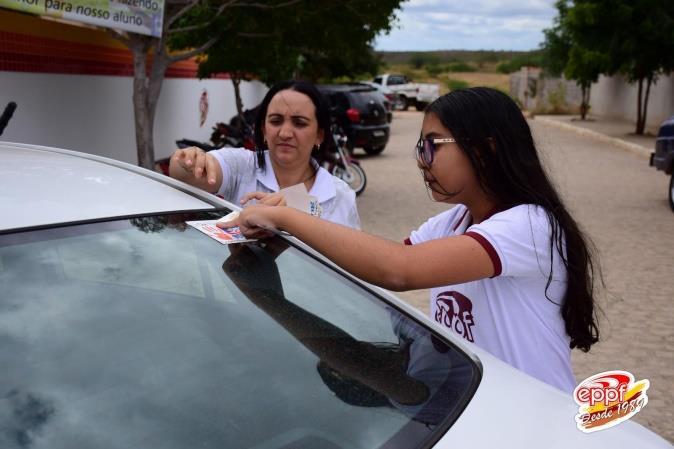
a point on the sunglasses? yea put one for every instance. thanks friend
(426, 148)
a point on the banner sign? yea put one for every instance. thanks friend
(135, 16)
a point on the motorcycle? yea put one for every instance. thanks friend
(233, 136)
(341, 164)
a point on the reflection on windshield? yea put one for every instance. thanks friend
(147, 333)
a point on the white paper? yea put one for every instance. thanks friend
(297, 197)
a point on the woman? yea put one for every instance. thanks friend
(293, 122)
(508, 267)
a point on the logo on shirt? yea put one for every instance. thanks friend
(607, 399)
(455, 311)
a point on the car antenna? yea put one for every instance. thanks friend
(6, 115)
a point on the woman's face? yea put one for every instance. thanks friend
(450, 177)
(290, 128)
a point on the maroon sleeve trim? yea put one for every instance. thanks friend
(407, 241)
(493, 255)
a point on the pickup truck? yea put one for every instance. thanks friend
(411, 94)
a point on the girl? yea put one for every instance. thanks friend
(292, 123)
(507, 266)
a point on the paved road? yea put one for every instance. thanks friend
(618, 200)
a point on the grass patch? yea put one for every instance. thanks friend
(453, 84)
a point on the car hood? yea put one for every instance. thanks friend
(511, 409)
(42, 186)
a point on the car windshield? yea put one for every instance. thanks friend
(147, 333)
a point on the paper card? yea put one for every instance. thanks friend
(297, 197)
(224, 236)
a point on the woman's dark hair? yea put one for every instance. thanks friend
(322, 115)
(491, 130)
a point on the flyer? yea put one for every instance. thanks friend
(224, 236)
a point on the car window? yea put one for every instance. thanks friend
(148, 333)
(397, 79)
(361, 99)
(378, 80)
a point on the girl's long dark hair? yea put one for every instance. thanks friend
(495, 136)
(322, 116)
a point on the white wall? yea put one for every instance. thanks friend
(614, 97)
(94, 114)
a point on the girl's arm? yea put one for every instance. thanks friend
(382, 262)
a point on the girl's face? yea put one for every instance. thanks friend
(450, 177)
(290, 128)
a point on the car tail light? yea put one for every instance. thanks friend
(353, 115)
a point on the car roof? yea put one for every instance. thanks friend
(348, 87)
(667, 129)
(42, 186)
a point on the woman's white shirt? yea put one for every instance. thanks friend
(241, 175)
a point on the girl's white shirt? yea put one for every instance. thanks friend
(514, 315)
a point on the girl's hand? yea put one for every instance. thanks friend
(268, 199)
(256, 221)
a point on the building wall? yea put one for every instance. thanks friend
(609, 97)
(74, 85)
(614, 97)
(94, 114)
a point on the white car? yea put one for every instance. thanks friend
(392, 97)
(418, 95)
(121, 326)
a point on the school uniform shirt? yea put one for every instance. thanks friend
(511, 315)
(241, 175)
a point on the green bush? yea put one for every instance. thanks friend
(460, 67)
(434, 69)
(507, 67)
(516, 63)
(557, 100)
(456, 84)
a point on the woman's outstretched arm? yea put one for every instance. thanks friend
(196, 167)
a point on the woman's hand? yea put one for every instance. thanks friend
(268, 199)
(256, 221)
(196, 167)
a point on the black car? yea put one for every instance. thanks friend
(663, 157)
(362, 112)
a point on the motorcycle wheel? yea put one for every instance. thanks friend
(354, 176)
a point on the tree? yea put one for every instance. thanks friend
(312, 40)
(206, 20)
(250, 50)
(634, 37)
(584, 66)
(563, 53)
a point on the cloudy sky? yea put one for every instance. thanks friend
(469, 25)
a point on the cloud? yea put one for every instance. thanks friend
(469, 25)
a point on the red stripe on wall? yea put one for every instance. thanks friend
(36, 54)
